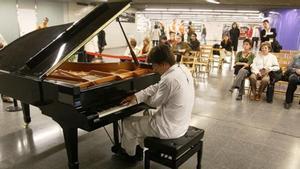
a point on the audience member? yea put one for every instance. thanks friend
(194, 42)
(255, 36)
(191, 30)
(164, 41)
(155, 35)
(234, 36)
(226, 44)
(203, 34)
(44, 24)
(133, 45)
(145, 48)
(181, 29)
(242, 68)
(293, 74)
(263, 63)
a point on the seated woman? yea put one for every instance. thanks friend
(226, 44)
(242, 68)
(263, 63)
(294, 80)
(164, 40)
(145, 48)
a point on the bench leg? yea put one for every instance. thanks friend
(147, 160)
(199, 156)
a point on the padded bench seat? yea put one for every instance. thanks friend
(174, 152)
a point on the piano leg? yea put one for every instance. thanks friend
(26, 114)
(117, 146)
(71, 143)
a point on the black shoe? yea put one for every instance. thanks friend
(287, 105)
(239, 97)
(231, 90)
(122, 154)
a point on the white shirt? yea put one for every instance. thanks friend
(173, 97)
(136, 51)
(155, 34)
(268, 62)
(92, 45)
(256, 33)
(2, 41)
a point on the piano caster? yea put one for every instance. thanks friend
(26, 125)
(116, 148)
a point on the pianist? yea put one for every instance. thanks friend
(173, 97)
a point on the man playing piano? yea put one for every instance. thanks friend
(173, 98)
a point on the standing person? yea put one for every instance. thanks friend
(203, 34)
(194, 42)
(173, 27)
(234, 36)
(191, 30)
(3, 43)
(268, 34)
(262, 65)
(155, 35)
(255, 37)
(293, 79)
(101, 41)
(173, 97)
(44, 24)
(242, 65)
(172, 41)
(181, 29)
(162, 29)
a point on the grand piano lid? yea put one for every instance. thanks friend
(37, 54)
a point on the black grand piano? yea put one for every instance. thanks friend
(35, 70)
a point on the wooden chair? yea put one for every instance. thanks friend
(203, 60)
(189, 61)
(217, 58)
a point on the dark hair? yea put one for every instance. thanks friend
(161, 54)
(234, 23)
(164, 37)
(155, 26)
(194, 34)
(248, 41)
(267, 21)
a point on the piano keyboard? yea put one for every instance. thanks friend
(115, 109)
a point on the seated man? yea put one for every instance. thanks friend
(294, 80)
(173, 97)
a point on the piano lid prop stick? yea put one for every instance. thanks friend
(131, 51)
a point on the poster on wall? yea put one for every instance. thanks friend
(27, 20)
(246, 30)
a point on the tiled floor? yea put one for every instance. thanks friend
(239, 135)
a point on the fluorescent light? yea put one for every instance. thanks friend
(155, 9)
(213, 1)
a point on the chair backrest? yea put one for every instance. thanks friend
(284, 60)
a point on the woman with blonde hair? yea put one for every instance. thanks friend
(262, 65)
(145, 48)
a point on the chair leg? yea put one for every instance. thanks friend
(199, 156)
(147, 160)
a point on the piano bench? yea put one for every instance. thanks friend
(174, 152)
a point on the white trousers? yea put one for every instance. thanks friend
(135, 129)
